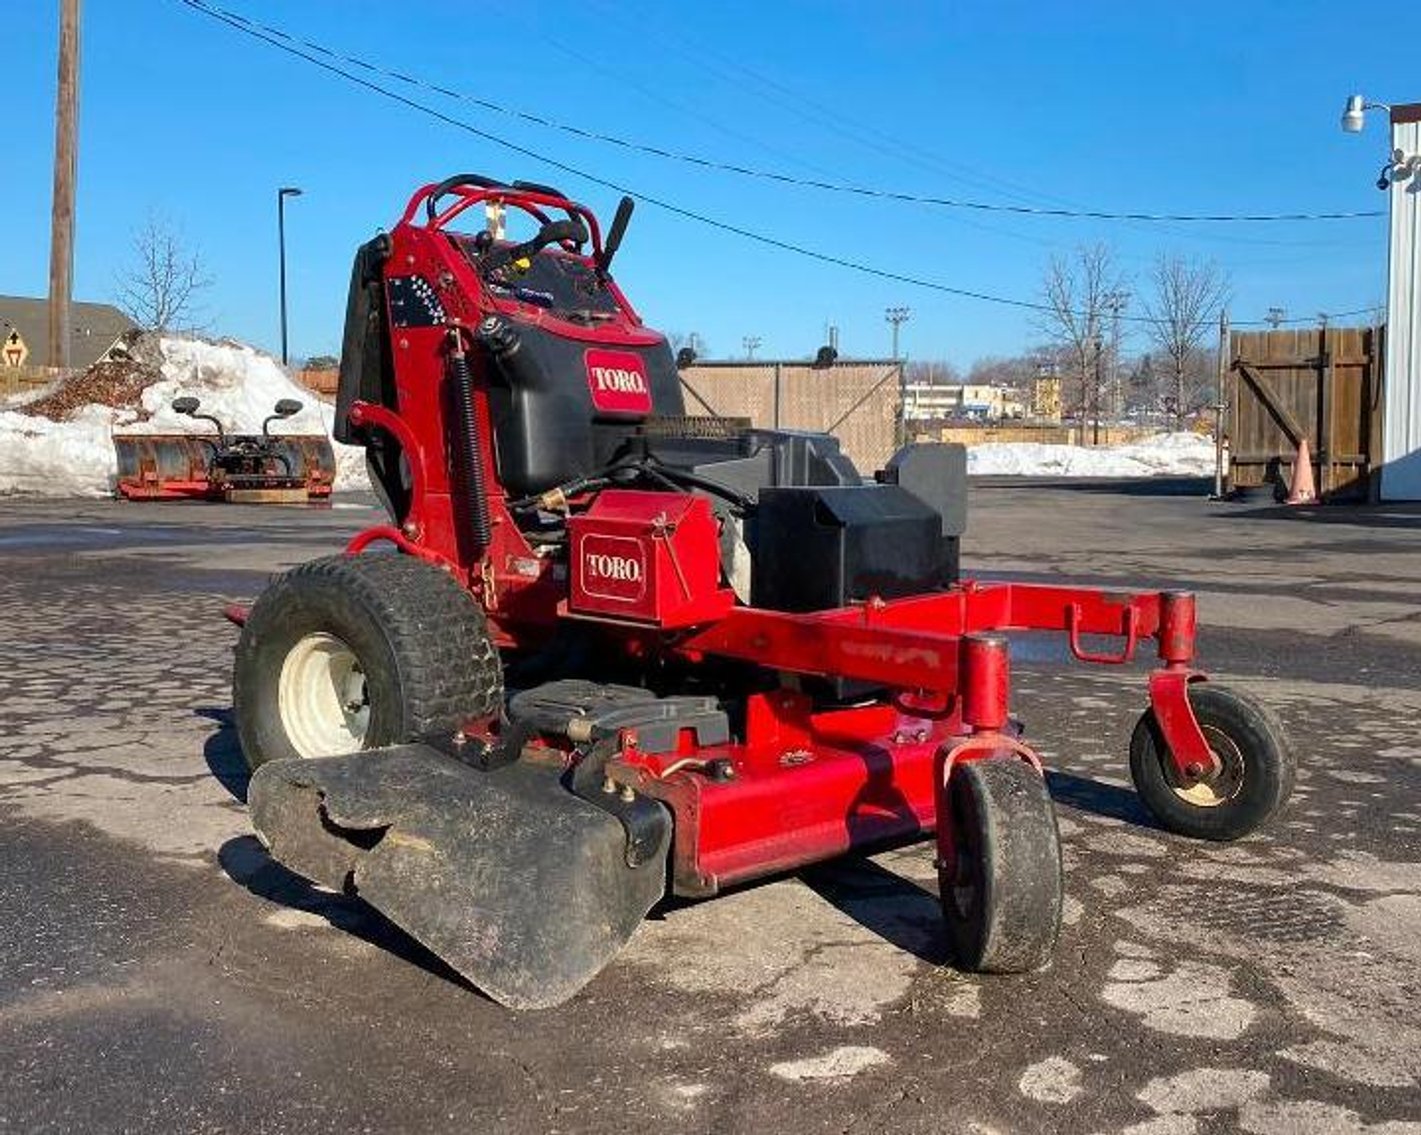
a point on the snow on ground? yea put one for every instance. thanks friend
(240, 385)
(1176, 454)
(234, 383)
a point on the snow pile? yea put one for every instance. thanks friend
(235, 384)
(1169, 454)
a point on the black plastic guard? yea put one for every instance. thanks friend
(514, 882)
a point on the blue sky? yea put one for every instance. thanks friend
(1202, 107)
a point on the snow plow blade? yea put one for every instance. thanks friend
(180, 466)
(516, 883)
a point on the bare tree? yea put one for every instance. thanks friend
(1077, 292)
(1016, 372)
(159, 291)
(933, 372)
(1185, 301)
(692, 339)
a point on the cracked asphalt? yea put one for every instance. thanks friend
(159, 973)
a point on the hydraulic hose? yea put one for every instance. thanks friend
(470, 455)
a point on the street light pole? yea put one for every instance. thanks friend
(281, 195)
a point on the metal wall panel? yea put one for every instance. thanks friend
(1401, 432)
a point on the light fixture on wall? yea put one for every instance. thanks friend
(1354, 115)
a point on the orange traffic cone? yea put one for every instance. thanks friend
(1303, 489)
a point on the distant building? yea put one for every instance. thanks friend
(323, 380)
(924, 401)
(1046, 398)
(95, 329)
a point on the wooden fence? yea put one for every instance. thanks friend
(856, 401)
(26, 380)
(1324, 385)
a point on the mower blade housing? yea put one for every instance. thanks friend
(515, 883)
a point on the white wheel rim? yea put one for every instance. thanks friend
(1222, 787)
(322, 698)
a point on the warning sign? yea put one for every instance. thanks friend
(14, 353)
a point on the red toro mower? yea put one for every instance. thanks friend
(602, 651)
(262, 468)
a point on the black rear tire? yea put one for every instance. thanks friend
(1003, 904)
(1255, 780)
(412, 652)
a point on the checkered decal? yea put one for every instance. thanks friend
(413, 302)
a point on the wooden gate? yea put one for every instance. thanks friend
(1324, 385)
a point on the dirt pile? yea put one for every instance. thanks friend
(118, 382)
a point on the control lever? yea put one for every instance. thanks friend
(614, 236)
(553, 231)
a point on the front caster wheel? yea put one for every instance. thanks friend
(1254, 778)
(1001, 899)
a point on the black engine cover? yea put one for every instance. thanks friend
(822, 547)
(547, 426)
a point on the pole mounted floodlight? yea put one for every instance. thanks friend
(1400, 165)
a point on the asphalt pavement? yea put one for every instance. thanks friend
(159, 973)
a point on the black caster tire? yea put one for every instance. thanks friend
(356, 652)
(1255, 779)
(1002, 905)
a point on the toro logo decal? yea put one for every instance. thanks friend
(617, 380)
(613, 567)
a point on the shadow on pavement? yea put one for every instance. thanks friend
(1356, 515)
(1138, 486)
(223, 752)
(898, 910)
(247, 863)
(1086, 795)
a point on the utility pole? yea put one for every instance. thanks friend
(1095, 400)
(1220, 404)
(66, 132)
(1092, 337)
(897, 316)
(1115, 302)
(1275, 317)
(750, 343)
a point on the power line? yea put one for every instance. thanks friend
(269, 33)
(249, 29)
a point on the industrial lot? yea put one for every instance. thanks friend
(164, 973)
(791, 621)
